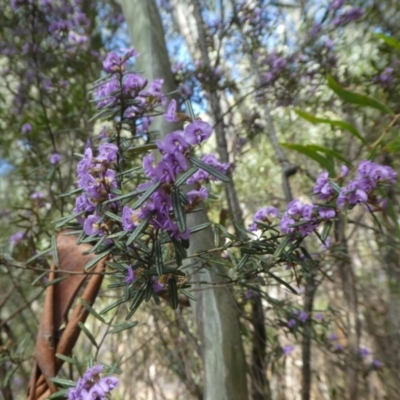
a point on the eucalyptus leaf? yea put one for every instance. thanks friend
(357, 98)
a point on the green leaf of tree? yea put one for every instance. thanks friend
(357, 98)
(341, 124)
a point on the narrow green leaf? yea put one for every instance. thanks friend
(113, 305)
(92, 311)
(124, 197)
(326, 230)
(329, 152)
(211, 170)
(54, 281)
(117, 235)
(66, 359)
(42, 253)
(136, 301)
(200, 227)
(243, 261)
(184, 177)
(158, 257)
(113, 216)
(388, 40)
(96, 246)
(139, 229)
(189, 109)
(310, 153)
(173, 292)
(188, 294)
(357, 98)
(180, 217)
(63, 221)
(40, 277)
(97, 259)
(180, 252)
(282, 282)
(61, 394)
(141, 149)
(341, 124)
(282, 246)
(122, 327)
(146, 195)
(75, 191)
(88, 334)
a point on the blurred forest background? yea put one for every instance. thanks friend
(267, 75)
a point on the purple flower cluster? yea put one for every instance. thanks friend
(276, 64)
(175, 150)
(303, 219)
(91, 386)
(362, 190)
(96, 179)
(123, 87)
(264, 215)
(348, 16)
(299, 316)
(385, 78)
(16, 238)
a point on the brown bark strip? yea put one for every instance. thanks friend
(58, 301)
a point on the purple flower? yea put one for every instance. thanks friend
(319, 317)
(326, 212)
(16, 238)
(333, 336)
(92, 372)
(302, 317)
(107, 152)
(348, 16)
(106, 93)
(249, 294)
(338, 348)
(322, 187)
(26, 128)
(83, 203)
(148, 166)
(130, 52)
(170, 115)
(335, 4)
(315, 29)
(364, 352)
(265, 214)
(112, 63)
(344, 171)
(108, 383)
(91, 386)
(197, 132)
(37, 195)
(129, 219)
(287, 349)
(286, 223)
(131, 276)
(197, 196)
(294, 207)
(90, 185)
(292, 323)
(376, 364)
(133, 83)
(157, 286)
(327, 244)
(382, 173)
(173, 142)
(91, 226)
(55, 158)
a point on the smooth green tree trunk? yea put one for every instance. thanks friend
(215, 310)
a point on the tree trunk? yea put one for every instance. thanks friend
(215, 309)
